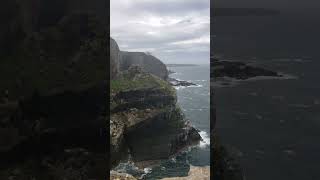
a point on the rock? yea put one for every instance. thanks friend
(144, 114)
(54, 110)
(171, 72)
(120, 176)
(114, 58)
(175, 82)
(225, 165)
(148, 63)
(195, 173)
(238, 70)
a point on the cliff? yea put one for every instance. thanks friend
(115, 58)
(148, 62)
(145, 119)
(68, 54)
(52, 93)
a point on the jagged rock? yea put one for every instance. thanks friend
(146, 106)
(195, 173)
(148, 63)
(120, 176)
(175, 82)
(114, 58)
(58, 60)
(238, 70)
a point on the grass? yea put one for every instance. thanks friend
(128, 81)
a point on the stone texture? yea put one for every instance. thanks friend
(195, 173)
(148, 62)
(115, 59)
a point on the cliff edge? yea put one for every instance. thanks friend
(146, 123)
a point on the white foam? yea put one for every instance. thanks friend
(205, 139)
(179, 87)
(198, 85)
(183, 87)
(147, 170)
(173, 159)
(200, 80)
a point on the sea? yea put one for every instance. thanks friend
(195, 104)
(271, 126)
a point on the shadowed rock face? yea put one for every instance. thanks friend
(52, 93)
(148, 63)
(114, 58)
(145, 120)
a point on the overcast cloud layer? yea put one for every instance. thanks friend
(176, 31)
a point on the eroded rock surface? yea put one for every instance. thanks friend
(143, 108)
(195, 173)
(52, 93)
(146, 61)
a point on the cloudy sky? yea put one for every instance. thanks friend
(176, 31)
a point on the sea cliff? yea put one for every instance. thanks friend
(52, 96)
(146, 122)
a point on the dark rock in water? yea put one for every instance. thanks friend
(238, 70)
(171, 72)
(175, 82)
(190, 136)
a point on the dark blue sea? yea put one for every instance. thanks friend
(272, 126)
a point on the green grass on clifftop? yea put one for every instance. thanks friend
(128, 81)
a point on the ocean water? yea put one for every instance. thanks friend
(195, 104)
(272, 126)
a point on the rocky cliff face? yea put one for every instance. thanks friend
(115, 58)
(145, 123)
(145, 119)
(148, 63)
(52, 94)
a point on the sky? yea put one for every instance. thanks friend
(175, 31)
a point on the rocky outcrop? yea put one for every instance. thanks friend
(52, 93)
(176, 82)
(120, 176)
(195, 173)
(148, 62)
(115, 59)
(144, 114)
(238, 70)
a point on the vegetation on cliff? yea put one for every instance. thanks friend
(145, 121)
(135, 79)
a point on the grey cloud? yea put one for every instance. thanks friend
(171, 29)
